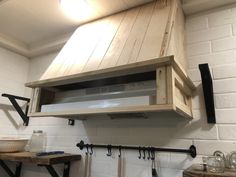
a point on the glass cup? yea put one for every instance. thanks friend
(215, 164)
(232, 160)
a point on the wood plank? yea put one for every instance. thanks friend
(169, 84)
(138, 67)
(133, 44)
(196, 170)
(35, 101)
(85, 45)
(169, 27)
(71, 53)
(128, 109)
(161, 90)
(151, 45)
(117, 45)
(132, 68)
(177, 41)
(43, 160)
(102, 46)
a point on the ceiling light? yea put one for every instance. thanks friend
(77, 10)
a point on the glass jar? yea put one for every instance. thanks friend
(37, 141)
(215, 164)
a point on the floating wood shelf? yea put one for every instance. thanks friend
(197, 171)
(173, 89)
(44, 161)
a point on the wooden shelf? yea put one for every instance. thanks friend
(29, 157)
(197, 171)
(46, 161)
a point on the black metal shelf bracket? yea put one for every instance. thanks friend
(17, 107)
(207, 86)
(191, 151)
(9, 171)
(53, 173)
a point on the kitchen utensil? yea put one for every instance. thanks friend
(8, 144)
(88, 160)
(120, 164)
(154, 171)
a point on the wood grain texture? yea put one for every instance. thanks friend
(196, 171)
(133, 44)
(177, 38)
(116, 110)
(44, 160)
(104, 42)
(161, 84)
(151, 44)
(127, 37)
(117, 45)
(173, 91)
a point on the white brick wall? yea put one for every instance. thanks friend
(211, 38)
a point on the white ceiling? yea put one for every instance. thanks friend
(33, 27)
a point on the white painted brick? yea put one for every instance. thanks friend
(224, 44)
(199, 49)
(215, 59)
(209, 34)
(227, 132)
(227, 116)
(222, 17)
(234, 29)
(168, 172)
(208, 147)
(196, 23)
(225, 100)
(224, 71)
(224, 86)
(198, 99)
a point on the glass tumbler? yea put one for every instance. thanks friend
(232, 160)
(215, 164)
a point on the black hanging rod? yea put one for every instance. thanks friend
(191, 151)
(13, 101)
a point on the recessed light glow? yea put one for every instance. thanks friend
(77, 10)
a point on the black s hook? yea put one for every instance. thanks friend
(87, 146)
(139, 150)
(109, 150)
(119, 151)
(91, 149)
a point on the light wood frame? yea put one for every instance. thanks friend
(173, 92)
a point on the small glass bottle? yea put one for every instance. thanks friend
(37, 141)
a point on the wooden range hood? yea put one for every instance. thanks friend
(146, 39)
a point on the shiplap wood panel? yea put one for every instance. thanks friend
(104, 42)
(75, 50)
(82, 48)
(119, 40)
(177, 41)
(151, 45)
(135, 39)
(127, 37)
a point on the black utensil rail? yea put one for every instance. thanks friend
(191, 151)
